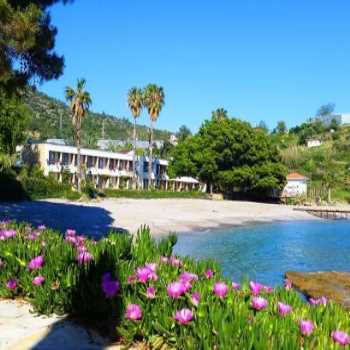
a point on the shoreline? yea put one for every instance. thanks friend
(163, 216)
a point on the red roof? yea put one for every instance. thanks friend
(296, 176)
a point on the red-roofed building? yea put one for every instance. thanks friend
(296, 185)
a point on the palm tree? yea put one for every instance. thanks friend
(153, 100)
(79, 102)
(135, 104)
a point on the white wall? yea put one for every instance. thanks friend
(295, 188)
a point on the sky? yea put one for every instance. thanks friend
(259, 59)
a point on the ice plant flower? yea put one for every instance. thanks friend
(176, 289)
(184, 316)
(287, 284)
(36, 263)
(188, 277)
(84, 258)
(152, 266)
(284, 309)
(220, 289)
(340, 337)
(133, 312)
(38, 280)
(235, 285)
(306, 327)
(132, 279)
(209, 274)
(255, 287)
(41, 227)
(195, 299)
(109, 286)
(12, 284)
(6, 234)
(259, 303)
(150, 293)
(175, 261)
(318, 301)
(144, 274)
(268, 289)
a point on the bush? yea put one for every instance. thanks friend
(137, 297)
(11, 189)
(144, 194)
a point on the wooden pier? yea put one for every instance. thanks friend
(326, 212)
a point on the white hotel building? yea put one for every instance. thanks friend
(107, 169)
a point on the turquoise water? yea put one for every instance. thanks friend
(264, 252)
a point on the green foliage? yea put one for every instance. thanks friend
(218, 323)
(183, 133)
(154, 193)
(47, 113)
(27, 40)
(231, 155)
(14, 119)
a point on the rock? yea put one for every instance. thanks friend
(333, 285)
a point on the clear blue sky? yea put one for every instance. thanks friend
(260, 60)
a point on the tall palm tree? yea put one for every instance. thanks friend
(79, 102)
(153, 100)
(135, 100)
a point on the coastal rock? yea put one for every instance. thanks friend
(333, 285)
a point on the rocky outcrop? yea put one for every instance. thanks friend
(333, 285)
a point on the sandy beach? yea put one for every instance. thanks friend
(161, 215)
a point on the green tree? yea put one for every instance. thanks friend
(135, 103)
(27, 40)
(231, 156)
(14, 119)
(326, 109)
(219, 113)
(79, 101)
(281, 127)
(183, 133)
(153, 99)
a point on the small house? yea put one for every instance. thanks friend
(313, 143)
(296, 186)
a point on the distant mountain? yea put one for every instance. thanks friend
(52, 119)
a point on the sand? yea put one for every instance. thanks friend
(161, 215)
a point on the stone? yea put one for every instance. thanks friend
(333, 285)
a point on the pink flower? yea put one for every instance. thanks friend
(38, 280)
(70, 232)
(41, 227)
(287, 284)
(184, 316)
(235, 285)
(84, 257)
(151, 293)
(318, 301)
(152, 266)
(36, 263)
(188, 277)
(284, 309)
(12, 284)
(132, 279)
(268, 289)
(209, 274)
(340, 337)
(175, 261)
(164, 259)
(255, 287)
(187, 285)
(144, 274)
(195, 299)
(259, 303)
(220, 289)
(176, 289)
(6, 234)
(133, 312)
(306, 327)
(109, 286)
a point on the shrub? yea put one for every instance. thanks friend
(144, 194)
(150, 295)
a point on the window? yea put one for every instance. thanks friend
(65, 159)
(145, 167)
(102, 163)
(54, 157)
(90, 162)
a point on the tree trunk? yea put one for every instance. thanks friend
(134, 158)
(78, 158)
(150, 157)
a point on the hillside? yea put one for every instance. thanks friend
(52, 119)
